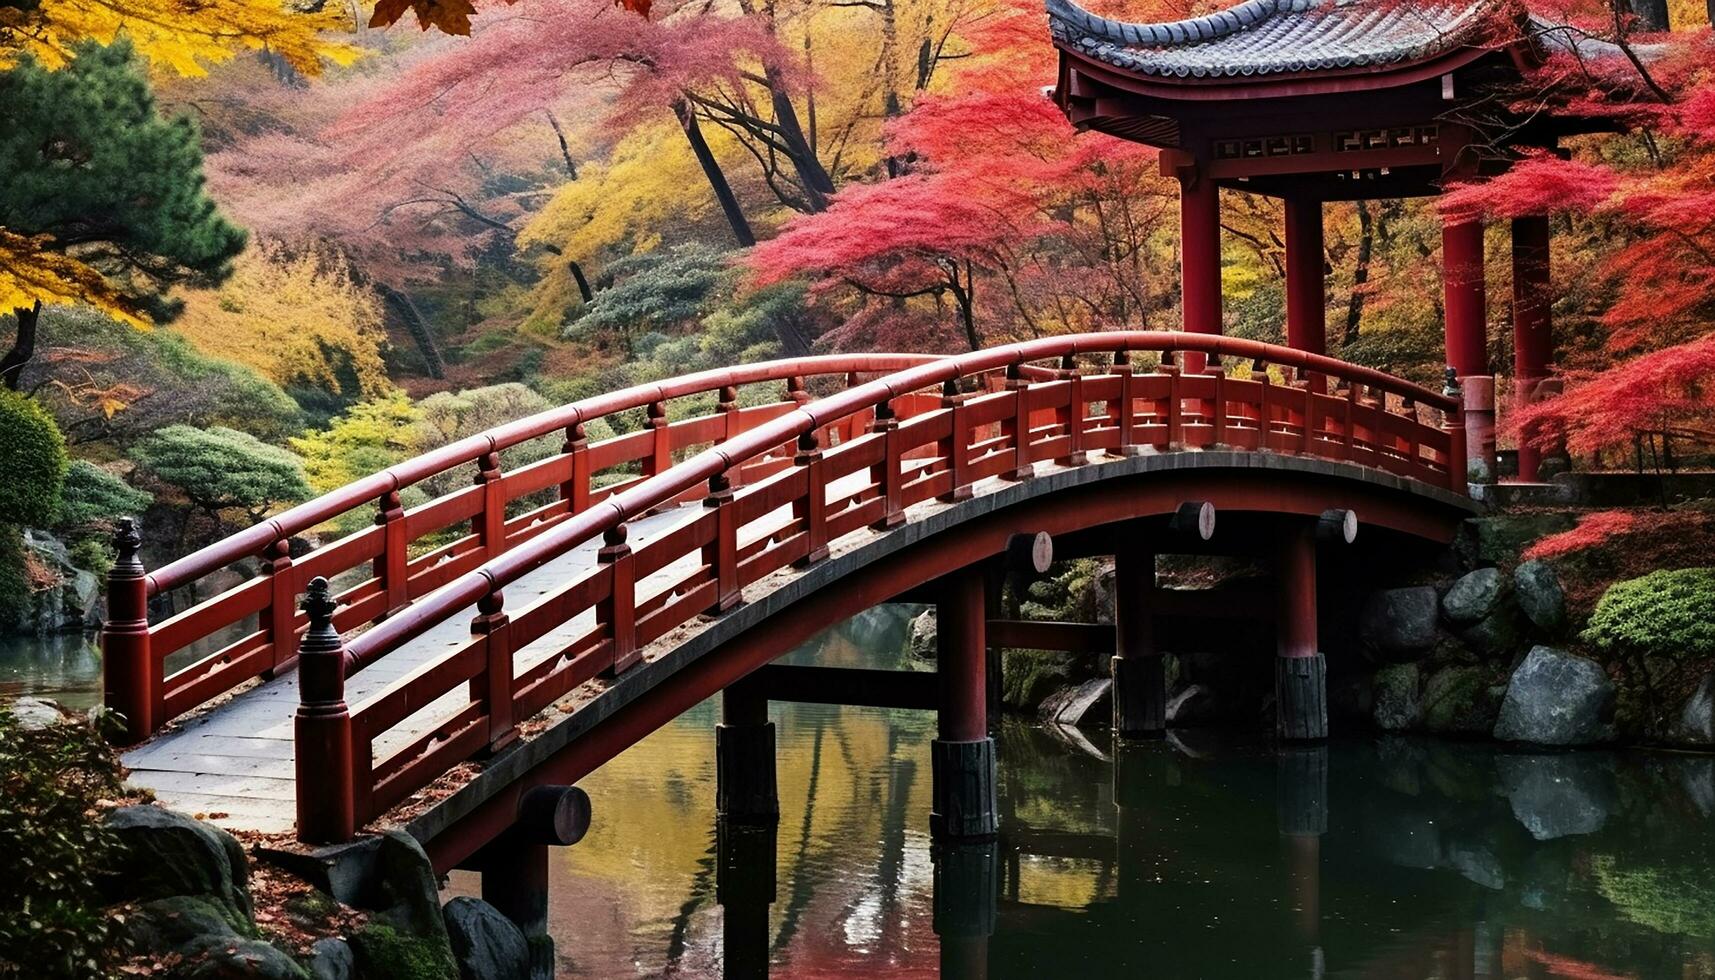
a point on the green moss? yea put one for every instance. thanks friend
(385, 953)
(1663, 615)
(1028, 676)
(1678, 901)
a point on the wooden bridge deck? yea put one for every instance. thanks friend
(233, 762)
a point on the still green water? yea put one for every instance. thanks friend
(1206, 855)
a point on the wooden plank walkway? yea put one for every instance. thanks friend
(232, 763)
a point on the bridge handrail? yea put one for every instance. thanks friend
(137, 683)
(1035, 421)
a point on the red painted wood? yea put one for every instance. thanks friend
(1306, 297)
(1295, 572)
(1533, 334)
(1465, 300)
(962, 657)
(1200, 258)
(494, 632)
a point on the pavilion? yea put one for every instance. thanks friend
(1337, 100)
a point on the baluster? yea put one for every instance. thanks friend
(1017, 428)
(732, 424)
(852, 425)
(321, 730)
(1265, 410)
(1175, 413)
(956, 447)
(797, 395)
(129, 673)
(1312, 421)
(1123, 409)
(282, 598)
(1413, 444)
(1072, 417)
(1218, 404)
(618, 611)
(491, 522)
(1351, 410)
(812, 508)
(661, 442)
(576, 490)
(892, 479)
(391, 568)
(493, 688)
(721, 554)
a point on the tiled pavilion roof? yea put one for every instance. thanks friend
(1264, 37)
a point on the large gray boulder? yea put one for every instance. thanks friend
(1086, 705)
(405, 938)
(1474, 596)
(921, 640)
(1557, 795)
(1400, 624)
(1697, 718)
(1195, 705)
(239, 959)
(486, 944)
(1540, 597)
(332, 959)
(1395, 692)
(162, 853)
(1555, 698)
(34, 714)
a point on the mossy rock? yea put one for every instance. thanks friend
(1502, 539)
(177, 922)
(1461, 701)
(385, 953)
(1029, 676)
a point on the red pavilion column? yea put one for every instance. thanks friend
(1533, 336)
(1200, 257)
(1306, 299)
(1467, 337)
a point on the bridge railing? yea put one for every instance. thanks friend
(252, 629)
(989, 414)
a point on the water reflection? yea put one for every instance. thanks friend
(1199, 857)
(65, 667)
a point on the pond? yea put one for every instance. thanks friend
(1205, 855)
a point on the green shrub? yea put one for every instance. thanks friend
(53, 845)
(1664, 614)
(14, 577)
(93, 495)
(34, 455)
(219, 469)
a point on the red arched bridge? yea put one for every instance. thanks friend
(481, 651)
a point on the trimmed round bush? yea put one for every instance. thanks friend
(92, 494)
(1663, 614)
(35, 458)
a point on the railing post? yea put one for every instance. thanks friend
(1265, 408)
(812, 508)
(618, 612)
(661, 445)
(495, 690)
(1073, 414)
(892, 482)
(327, 801)
(492, 529)
(282, 605)
(392, 567)
(721, 554)
(1017, 428)
(576, 490)
(1217, 371)
(1453, 423)
(1307, 437)
(1175, 403)
(956, 448)
(1123, 409)
(127, 665)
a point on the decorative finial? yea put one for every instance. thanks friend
(950, 388)
(127, 540)
(319, 604)
(1450, 387)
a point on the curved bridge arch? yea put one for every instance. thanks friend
(678, 675)
(880, 486)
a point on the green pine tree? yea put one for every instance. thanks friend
(90, 161)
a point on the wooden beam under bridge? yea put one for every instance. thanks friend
(1248, 602)
(861, 686)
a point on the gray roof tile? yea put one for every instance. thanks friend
(1260, 37)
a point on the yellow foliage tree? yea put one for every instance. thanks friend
(297, 319)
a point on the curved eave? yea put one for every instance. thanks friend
(1274, 85)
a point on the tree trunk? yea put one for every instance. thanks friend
(1711, 7)
(712, 170)
(418, 328)
(583, 283)
(967, 315)
(24, 347)
(794, 340)
(1360, 275)
(811, 173)
(1652, 14)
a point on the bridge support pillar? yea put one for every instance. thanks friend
(1300, 672)
(966, 906)
(744, 888)
(514, 871)
(963, 760)
(1533, 340)
(745, 789)
(1139, 680)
